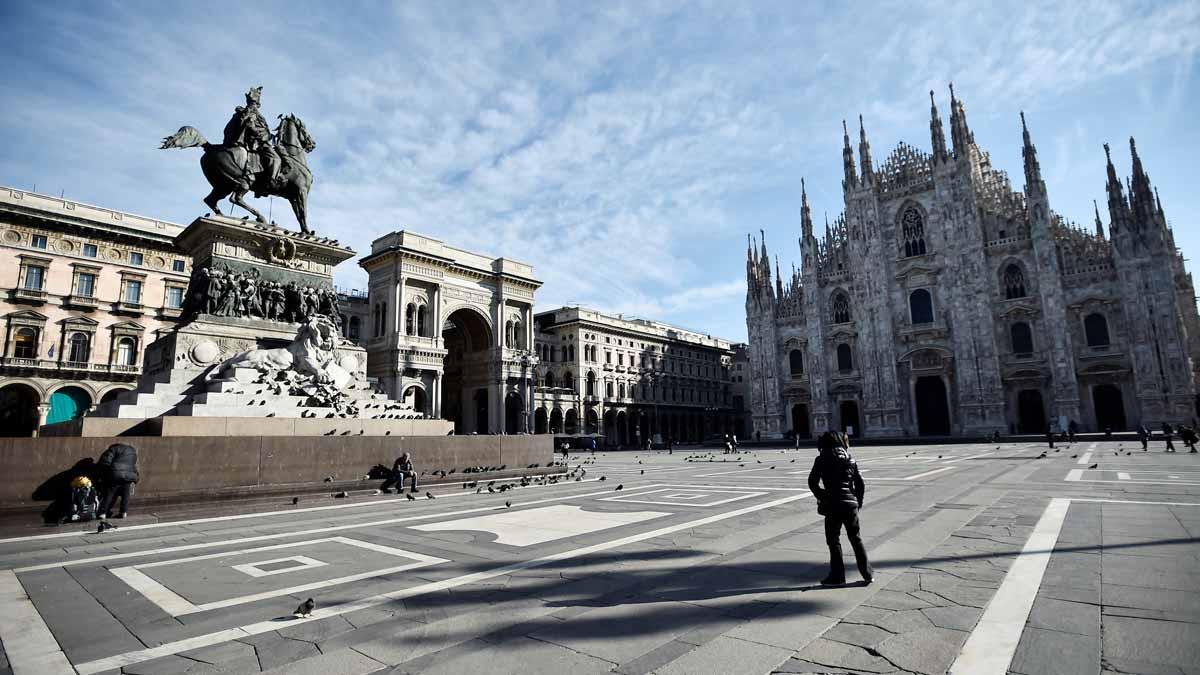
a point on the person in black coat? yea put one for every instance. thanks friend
(401, 469)
(839, 489)
(119, 469)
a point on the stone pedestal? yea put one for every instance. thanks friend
(254, 287)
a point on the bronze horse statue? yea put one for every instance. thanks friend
(232, 171)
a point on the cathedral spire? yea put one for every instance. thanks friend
(1141, 195)
(851, 179)
(936, 135)
(805, 212)
(1099, 224)
(1118, 208)
(778, 280)
(1033, 171)
(864, 152)
(960, 133)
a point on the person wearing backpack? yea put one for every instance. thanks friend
(119, 467)
(839, 489)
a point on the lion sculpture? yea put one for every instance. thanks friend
(311, 355)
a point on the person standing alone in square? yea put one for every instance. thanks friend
(839, 489)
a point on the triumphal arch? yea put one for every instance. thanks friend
(451, 332)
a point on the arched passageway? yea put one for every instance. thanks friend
(68, 403)
(571, 422)
(514, 411)
(556, 421)
(467, 339)
(591, 424)
(933, 411)
(18, 410)
(539, 421)
(622, 429)
(414, 397)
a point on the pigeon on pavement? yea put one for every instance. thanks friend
(1093, 466)
(410, 498)
(305, 609)
(619, 487)
(508, 505)
(295, 501)
(429, 495)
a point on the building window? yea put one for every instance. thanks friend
(841, 308)
(85, 285)
(796, 362)
(620, 359)
(1022, 338)
(550, 379)
(621, 390)
(135, 258)
(1095, 327)
(920, 304)
(912, 229)
(25, 342)
(1014, 282)
(845, 360)
(608, 389)
(38, 241)
(127, 352)
(174, 297)
(177, 265)
(608, 357)
(410, 317)
(568, 380)
(133, 292)
(89, 250)
(354, 328)
(421, 329)
(79, 348)
(35, 277)
(591, 384)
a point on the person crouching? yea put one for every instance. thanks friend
(839, 489)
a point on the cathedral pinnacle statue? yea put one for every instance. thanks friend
(252, 158)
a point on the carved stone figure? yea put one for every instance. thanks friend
(311, 357)
(249, 160)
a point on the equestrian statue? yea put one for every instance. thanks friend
(252, 158)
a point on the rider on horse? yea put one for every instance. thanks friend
(248, 129)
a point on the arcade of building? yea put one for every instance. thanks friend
(451, 332)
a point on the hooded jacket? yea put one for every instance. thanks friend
(834, 479)
(120, 461)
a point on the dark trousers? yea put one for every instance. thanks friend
(398, 479)
(845, 516)
(117, 488)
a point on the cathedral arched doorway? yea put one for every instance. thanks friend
(1031, 412)
(848, 412)
(1110, 409)
(539, 421)
(18, 410)
(467, 339)
(933, 412)
(800, 420)
(514, 410)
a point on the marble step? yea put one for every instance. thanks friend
(211, 410)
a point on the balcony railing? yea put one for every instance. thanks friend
(83, 300)
(74, 366)
(130, 307)
(22, 293)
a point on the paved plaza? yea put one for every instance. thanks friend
(989, 559)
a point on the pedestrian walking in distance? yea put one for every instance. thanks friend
(1050, 434)
(1144, 436)
(1188, 436)
(1168, 436)
(839, 489)
(1072, 429)
(119, 468)
(401, 469)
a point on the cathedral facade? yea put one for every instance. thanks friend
(944, 302)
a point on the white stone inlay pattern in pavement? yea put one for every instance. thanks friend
(256, 569)
(527, 527)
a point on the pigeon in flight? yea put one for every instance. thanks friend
(305, 609)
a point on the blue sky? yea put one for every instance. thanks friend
(624, 149)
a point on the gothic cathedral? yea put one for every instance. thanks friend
(943, 302)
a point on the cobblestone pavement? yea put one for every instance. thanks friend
(989, 559)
